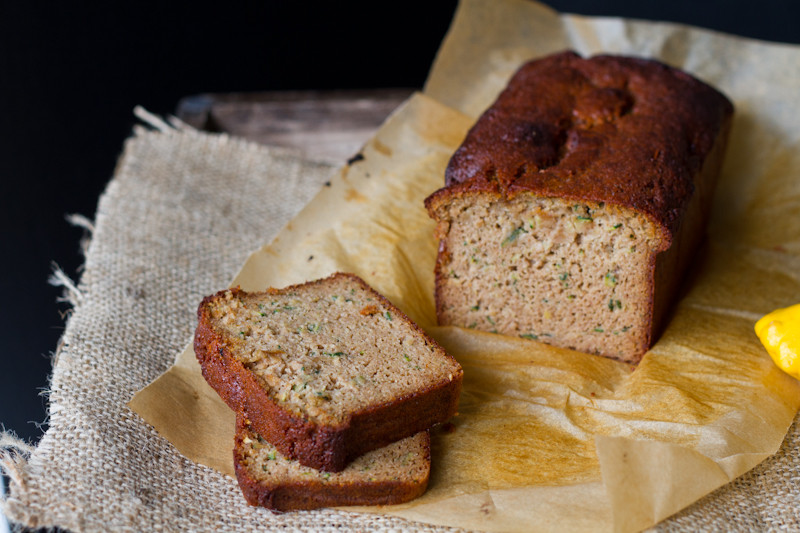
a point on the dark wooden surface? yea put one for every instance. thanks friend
(327, 126)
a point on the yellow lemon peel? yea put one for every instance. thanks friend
(779, 332)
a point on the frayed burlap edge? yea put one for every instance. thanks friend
(15, 452)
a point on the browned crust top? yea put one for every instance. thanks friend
(626, 131)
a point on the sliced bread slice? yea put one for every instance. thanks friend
(325, 371)
(393, 474)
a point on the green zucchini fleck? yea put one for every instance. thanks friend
(584, 213)
(513, 236)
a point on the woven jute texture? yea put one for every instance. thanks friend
(766, 498)
(175, 223)
(178, 219)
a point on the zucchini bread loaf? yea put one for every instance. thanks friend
(576, 202)
(325, 371)
(393, 474)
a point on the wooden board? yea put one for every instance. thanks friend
(328, 126)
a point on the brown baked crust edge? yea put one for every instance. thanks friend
(314, 494)
(323, 447)
(672, 267)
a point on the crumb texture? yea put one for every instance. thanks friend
(548, 270)
(404, 461)
(324, 351)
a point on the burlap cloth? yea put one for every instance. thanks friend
(175, 223)
(178, 218)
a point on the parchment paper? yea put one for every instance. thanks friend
(548, 439)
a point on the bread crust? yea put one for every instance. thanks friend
(309, 494)
(619, 130)
(627, 132)
(324, 447)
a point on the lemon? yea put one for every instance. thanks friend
(779, 332)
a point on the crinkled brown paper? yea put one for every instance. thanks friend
(550, 439)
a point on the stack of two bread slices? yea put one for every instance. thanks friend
(334, 388)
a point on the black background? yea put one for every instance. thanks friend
(70, 76)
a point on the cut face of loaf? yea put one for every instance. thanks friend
(326, 370)
(569, 274)
(575, 204)
(393, 474)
